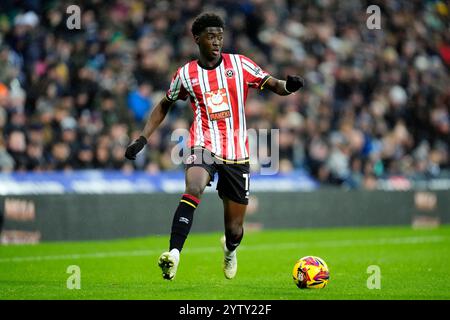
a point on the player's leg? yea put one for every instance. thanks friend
(233, 187)
(197, 178)
(234, 214)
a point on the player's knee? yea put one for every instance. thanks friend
(234, 233)
(195, 189)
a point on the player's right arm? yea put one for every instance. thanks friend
(157, 115)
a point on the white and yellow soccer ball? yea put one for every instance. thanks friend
(311, 272)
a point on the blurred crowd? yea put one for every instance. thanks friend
(376, 101)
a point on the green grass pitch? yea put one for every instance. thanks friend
(414, 264)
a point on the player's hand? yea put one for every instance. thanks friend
(294, 83)
(134, 148)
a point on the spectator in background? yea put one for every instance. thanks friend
(376, 102)
(84, 158)
(140, 102)
(16, 147)
(60, 157)
(7, 163)
(102, 158)
(4, 94)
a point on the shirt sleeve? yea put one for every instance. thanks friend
(254, 76)
(176, 90)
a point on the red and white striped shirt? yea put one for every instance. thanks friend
(218, 98)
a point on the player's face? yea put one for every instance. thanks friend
(210, 42)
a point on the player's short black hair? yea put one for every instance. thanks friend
(204, 21)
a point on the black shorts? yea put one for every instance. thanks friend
(234, 176)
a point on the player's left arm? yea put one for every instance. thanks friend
(283, 87)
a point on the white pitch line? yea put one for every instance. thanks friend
(274, 246)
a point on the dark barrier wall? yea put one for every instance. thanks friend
(88, 217)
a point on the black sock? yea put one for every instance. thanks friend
(182, 221)
(232, 240)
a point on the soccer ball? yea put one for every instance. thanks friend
(310, 272)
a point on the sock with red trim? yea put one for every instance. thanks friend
(182, 221)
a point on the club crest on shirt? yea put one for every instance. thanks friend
(229, 73)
